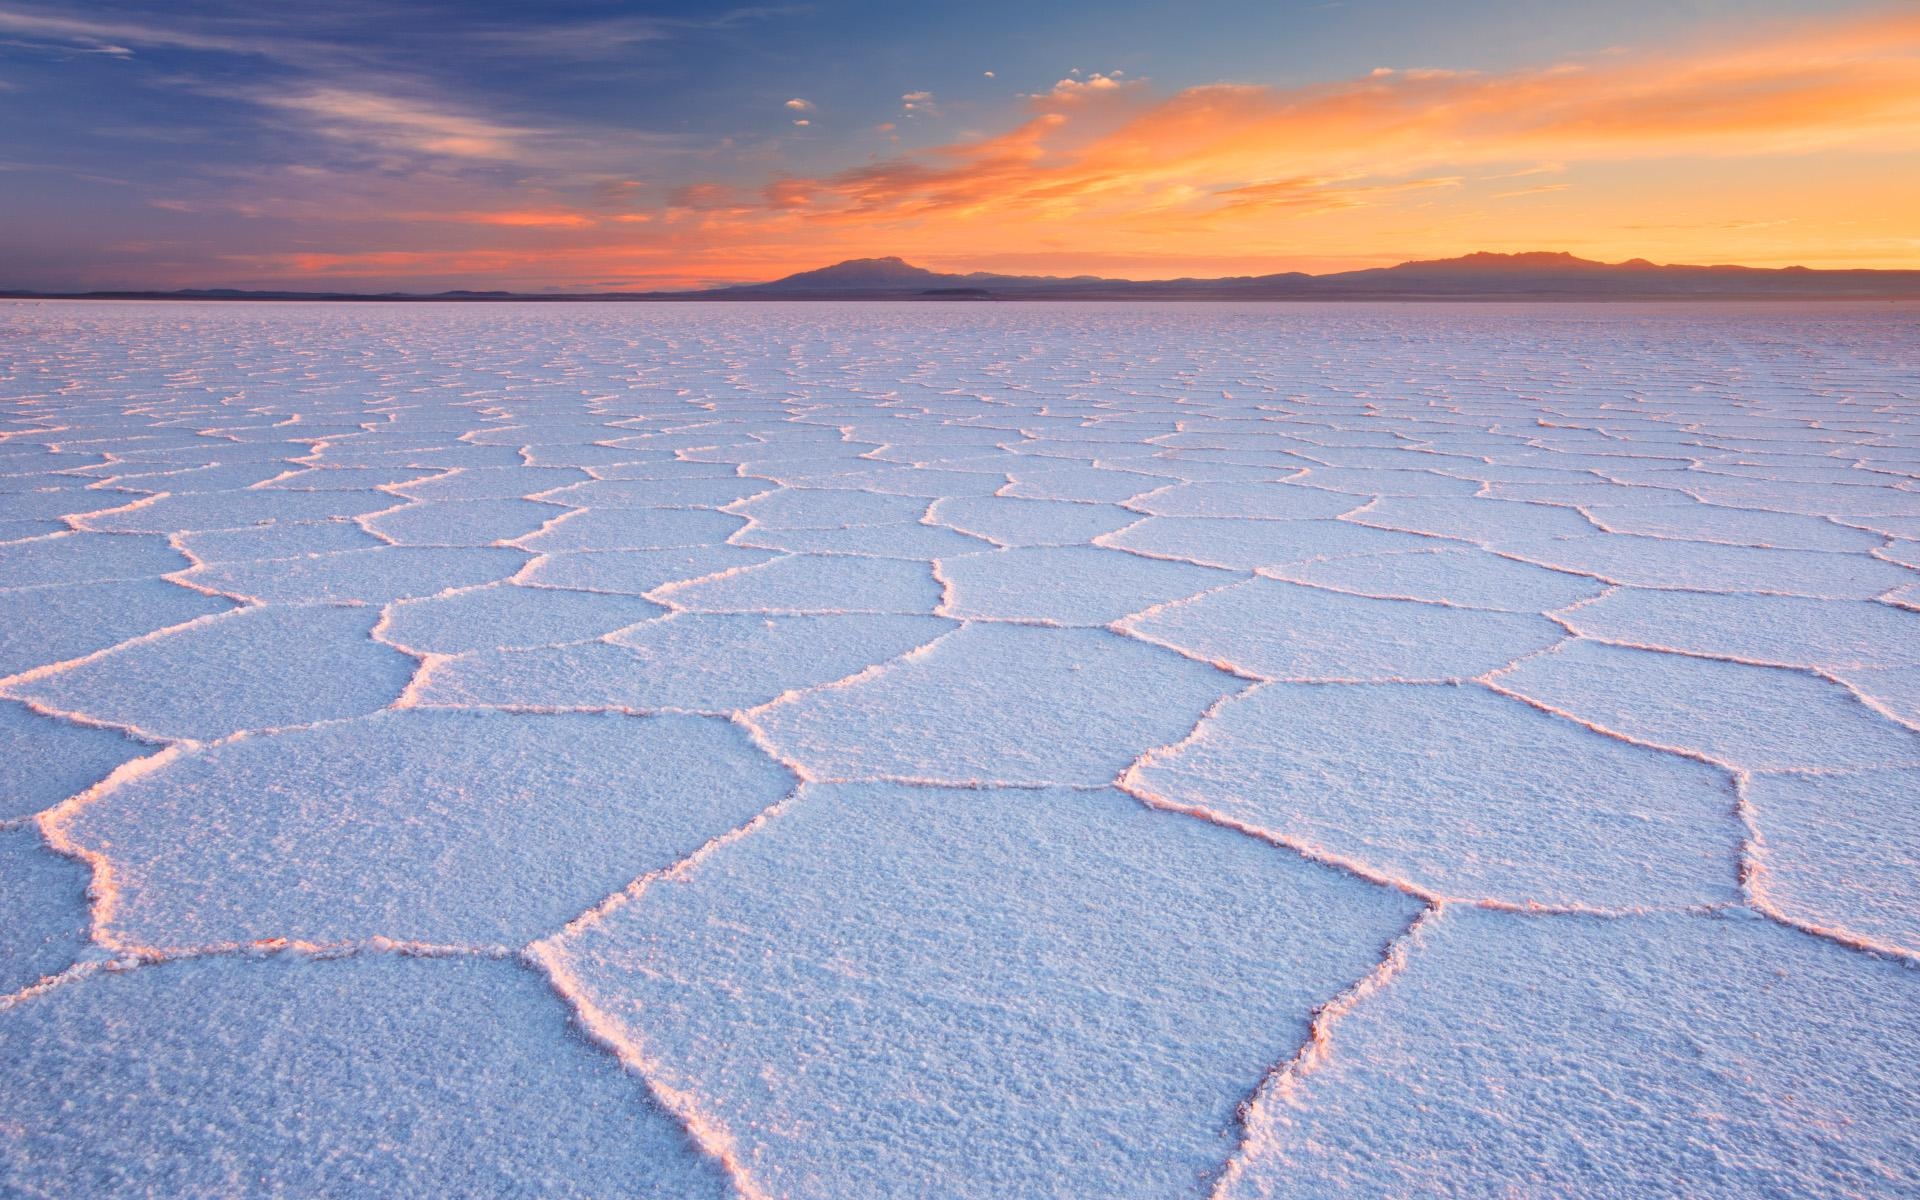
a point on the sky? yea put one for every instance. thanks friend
(595, 144)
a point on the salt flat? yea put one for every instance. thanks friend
(959, 750)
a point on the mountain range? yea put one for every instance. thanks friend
(1540, 275)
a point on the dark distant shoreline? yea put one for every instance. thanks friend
(879, 298)
(1534, 277)
(1016, 300)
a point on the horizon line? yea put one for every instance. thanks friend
(305, 286)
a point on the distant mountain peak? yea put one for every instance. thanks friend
(861, 273)
(891, 262)
(1487, 260)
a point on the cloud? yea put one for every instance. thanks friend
(1227, 148)
(1070, 88)
(1539, 189)
(617, 193)
(1319, 194)
(1523, 172)
(605, 37)
(789, 194)
(524, 219)
(114, 37)
(575, 41)
(66, 47)
(557, 218)
(799, 105)
(472, 35)
(376, 121)
(705, 197)
(335, 89)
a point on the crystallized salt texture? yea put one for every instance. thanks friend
(962, 750)
(417, 826)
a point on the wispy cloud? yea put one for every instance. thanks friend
(40, 168)
(329, 87)
(1310, 193)
(388, 122)
(570, 41)
(116, 36)
(1536, 190)
(189, 27)
(518, 218)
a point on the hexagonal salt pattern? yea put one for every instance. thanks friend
(963, 750)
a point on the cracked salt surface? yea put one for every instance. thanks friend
(380, 1074)
(1658, 1055)
(1002, 751)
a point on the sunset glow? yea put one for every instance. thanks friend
(574, 153)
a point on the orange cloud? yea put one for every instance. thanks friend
(1536, 190)
(1073, 89)
(1221, 147)
(1320, 194)
(526, 219)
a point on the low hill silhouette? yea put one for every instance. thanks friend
(1535, 275)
